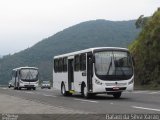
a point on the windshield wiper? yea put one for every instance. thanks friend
(29, 75)
(109, 66)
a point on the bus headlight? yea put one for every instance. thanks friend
(130, 82)
(98, 82)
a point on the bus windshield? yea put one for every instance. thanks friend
(113, 65)
(29, 74)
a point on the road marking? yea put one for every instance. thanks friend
(154, 92)
(135, 92)
(4, 88)
(87, 100)
(18, 91)
(30, 92)
(49, 95)
(146, 108)
(140, 91)
(145, 92)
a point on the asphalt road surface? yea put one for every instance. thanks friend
(137, 102)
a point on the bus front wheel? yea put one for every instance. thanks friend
(85, 93)
(34, 88)
(117, 95)
(15, 88)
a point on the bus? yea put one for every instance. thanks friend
(25, 77)
(101, 70)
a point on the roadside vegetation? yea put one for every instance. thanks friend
(146, 52)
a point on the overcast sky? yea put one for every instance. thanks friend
(25, 22)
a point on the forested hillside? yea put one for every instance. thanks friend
(81, 36)
(146, 51)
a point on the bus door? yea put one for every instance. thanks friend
(89, 71)
(15, 79)
(70, 74)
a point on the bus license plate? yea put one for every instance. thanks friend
(115, 88)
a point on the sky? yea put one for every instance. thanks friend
(23, 23)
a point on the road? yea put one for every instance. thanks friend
(136, 102)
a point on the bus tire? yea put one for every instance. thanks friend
(85, 93)
(63, 90)
(28, 88)
(34, 88)
(117, 95)
(15, 88)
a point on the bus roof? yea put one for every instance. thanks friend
(26, 67)
(89, 50)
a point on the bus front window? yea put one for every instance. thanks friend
(113, 65)
(29, 74)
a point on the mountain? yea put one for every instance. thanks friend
(88, 34)
(146, 51)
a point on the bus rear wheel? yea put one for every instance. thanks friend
(117, 95)
(63, 90)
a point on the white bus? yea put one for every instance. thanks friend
(94, 71)
(25, 77)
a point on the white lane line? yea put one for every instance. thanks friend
(87, 100)
(140, 91)
(4, 88)
(49, 95)
(146, 108)
(30, 92)
(145, 92)
(154, 92)
(46, 95)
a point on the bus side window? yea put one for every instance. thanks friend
(60, 65)
(76, 63)
(56, 65)
(83, 62)
(64, 64)
(18, 73)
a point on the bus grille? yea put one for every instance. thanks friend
(28, 85)
(111, 89)
(118, 84)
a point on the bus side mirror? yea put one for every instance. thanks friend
(93, 59)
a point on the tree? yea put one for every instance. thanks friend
(141, 21)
